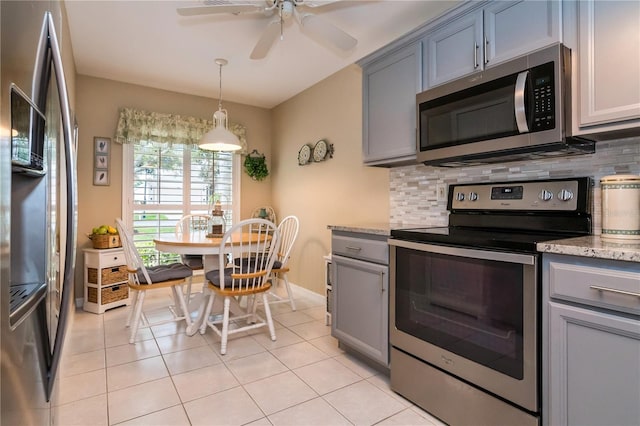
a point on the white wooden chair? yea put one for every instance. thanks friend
(190, 224)
(268, 214)
(143, 279)
(256, 241)
(288, 233)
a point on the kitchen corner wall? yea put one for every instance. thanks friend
(339, 190)
(98, 105)
(413, 188)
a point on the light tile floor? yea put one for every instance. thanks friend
(168, 378)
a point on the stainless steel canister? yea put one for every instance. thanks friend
(620, 207)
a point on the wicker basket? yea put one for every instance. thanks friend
(105, 241)
(109, 275)
(109, 294)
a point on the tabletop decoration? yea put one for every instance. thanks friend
(218, 224)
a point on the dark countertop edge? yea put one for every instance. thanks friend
(592, 246)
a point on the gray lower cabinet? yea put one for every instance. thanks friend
(360, 317)
(389, 88)
(594, 368)
(591, 342)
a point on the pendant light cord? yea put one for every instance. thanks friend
(220, 98)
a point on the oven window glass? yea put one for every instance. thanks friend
(482, 112)
(471, 307)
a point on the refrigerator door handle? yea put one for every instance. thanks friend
(71, 205)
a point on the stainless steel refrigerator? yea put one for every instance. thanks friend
(37, 209)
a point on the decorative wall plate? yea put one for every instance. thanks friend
(304, 155)
(320, 150)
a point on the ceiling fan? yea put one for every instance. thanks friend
(280, 11)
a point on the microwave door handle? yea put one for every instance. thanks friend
(519, 107)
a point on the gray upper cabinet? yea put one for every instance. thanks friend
(390, 85)
(453, 51)
(608, 65)
(469, 38)
(481, 38)
(513, 28)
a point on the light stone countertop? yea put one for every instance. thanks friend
(595, 247)
(380, 228)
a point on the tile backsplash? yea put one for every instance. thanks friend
(413, 188)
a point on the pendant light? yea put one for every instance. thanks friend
(220, 138)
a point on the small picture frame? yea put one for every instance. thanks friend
(102, 162)
(101, 156)
(102, 145)
(101, 178)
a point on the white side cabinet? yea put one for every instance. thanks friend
(608, 65)
(591, 345)
(481, 38)
(105, 280)
(328, 286)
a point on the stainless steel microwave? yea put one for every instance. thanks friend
(517, 110)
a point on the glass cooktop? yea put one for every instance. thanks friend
(480, 238)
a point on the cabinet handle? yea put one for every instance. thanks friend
(381, 281)
(614, 290)
(353, 248)
(484, 50)
(475, 56)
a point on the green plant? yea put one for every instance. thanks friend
(256, 166)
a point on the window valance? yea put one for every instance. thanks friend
(135, 126)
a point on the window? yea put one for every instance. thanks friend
(164, 182)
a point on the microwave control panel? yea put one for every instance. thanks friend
(543, 102)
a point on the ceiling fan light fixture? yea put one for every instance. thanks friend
(220, 138)
(286, 9)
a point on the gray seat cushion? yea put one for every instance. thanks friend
(214, 277)
(193, 261)
(174, 271)
(276, 264)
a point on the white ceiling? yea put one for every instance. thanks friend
(148, 43)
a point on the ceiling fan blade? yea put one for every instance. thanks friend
(219, 8)
(266, 40)
(319, 27)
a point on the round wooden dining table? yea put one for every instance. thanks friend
(209, 248)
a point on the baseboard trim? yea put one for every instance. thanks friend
(319, 298)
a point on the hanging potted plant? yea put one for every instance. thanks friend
(256, 166)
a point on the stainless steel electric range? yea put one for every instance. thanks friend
(465, 299)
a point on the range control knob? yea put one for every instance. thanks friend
(545, 195)
(565, 195)
(460, 196)
(473, 196)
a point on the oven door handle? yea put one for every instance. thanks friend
(523, 259)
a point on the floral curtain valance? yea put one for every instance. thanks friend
(135, 126)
